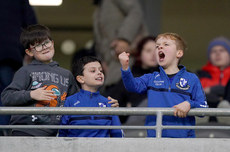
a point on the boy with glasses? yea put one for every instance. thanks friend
(42, 83)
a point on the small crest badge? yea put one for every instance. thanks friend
(183, 84)
(101, 104)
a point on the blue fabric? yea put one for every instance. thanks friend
(163, 93)
(89, 99)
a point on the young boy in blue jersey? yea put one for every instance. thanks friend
(171, 86)
(89, 74)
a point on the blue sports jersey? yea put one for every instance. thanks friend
(89, 99)
(185, 86)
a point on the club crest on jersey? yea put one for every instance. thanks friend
(101, 104)
(183, 84)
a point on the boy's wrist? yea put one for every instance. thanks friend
(188, 103)
(125, 68)
(31, 94)
(191, 104)
(28, 95)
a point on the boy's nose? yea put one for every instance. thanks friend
(160, 47)
(44, 47)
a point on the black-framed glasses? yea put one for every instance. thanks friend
(40, 47)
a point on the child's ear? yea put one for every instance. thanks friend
(80, 79)
(28, 52)
(180, 53)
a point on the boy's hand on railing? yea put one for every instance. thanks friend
(182, 109)
(112, 101)
(42, 94)
(124, 60)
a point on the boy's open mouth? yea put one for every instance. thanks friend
(161, 55)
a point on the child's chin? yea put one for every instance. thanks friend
(161, 64)
(100, 85)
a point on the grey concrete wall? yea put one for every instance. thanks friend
(47, 144)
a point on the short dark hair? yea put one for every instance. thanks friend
(34, 34)
(78, 65)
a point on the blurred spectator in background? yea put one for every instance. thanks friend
(118, 25)
(216, 73)
(226, 102)
(88, 50)
(145, 62)
(14, 15)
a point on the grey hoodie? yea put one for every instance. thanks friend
(31, 77)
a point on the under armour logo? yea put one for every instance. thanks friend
(76, 103)
(34, 118)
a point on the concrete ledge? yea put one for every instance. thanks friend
(57, 144)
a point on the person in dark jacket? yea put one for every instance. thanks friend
(227, 92)
(89, 74)
(216, 73)
(14, 15)
(170, 86)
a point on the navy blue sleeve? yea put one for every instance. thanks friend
(116, 132)
(198, 99)
(115, 122)
(65, 121)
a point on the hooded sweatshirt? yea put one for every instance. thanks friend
(34, 76)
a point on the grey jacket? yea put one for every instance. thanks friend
(115, 19)
(31, 77)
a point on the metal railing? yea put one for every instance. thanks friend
(159, 112)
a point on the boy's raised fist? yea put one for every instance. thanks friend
(124, 60)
